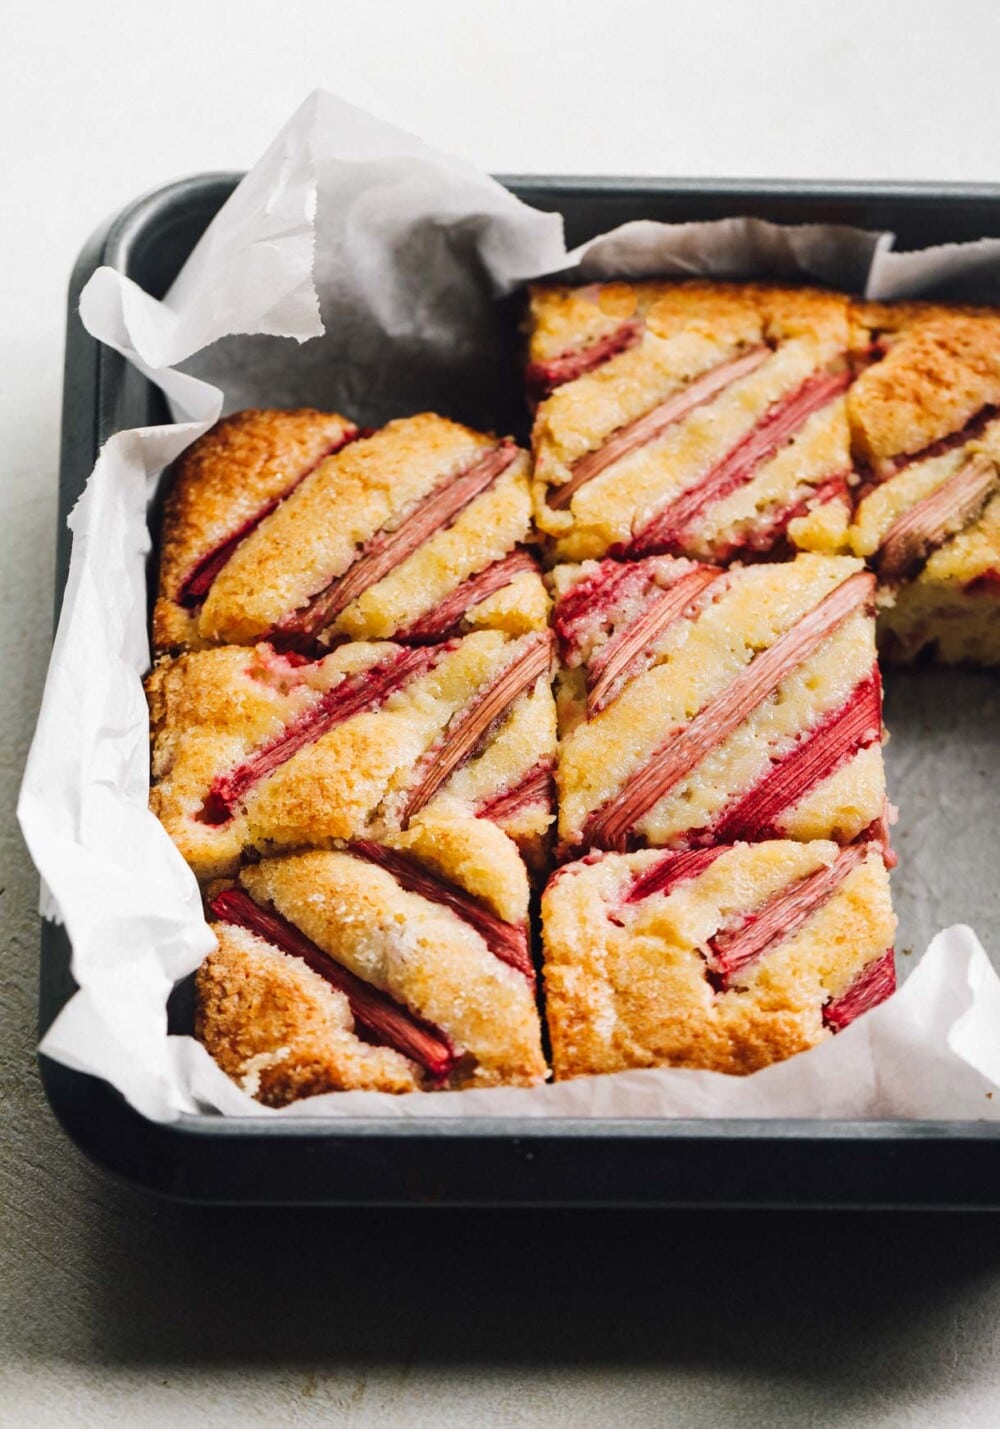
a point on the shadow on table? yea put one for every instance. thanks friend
(836, 1299)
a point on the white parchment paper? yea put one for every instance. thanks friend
(355, 268)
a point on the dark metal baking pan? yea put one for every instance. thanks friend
(491, 1162)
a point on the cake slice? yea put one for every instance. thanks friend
(726, 958)
(393, 967)
(926, 420)
(295, 528)
(697, 419)
(252, 749)
(699, 705)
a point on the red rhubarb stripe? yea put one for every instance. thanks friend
(986, 584)
(383, 1019)
(927, 525)
(654, 424)
(196, 585)
(678, 755)
(542, 378)
(535, 788)
(472, 724)
(446, 616)
(872, 985)
(504, 940)
(779, 425)
(630, 651)
(387, 549)
(672, 870)
(972, 429)
(359, 693)
(838, 737)
(765, 536)
(777, 920)
(595, 598)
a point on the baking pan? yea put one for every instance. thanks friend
(568, 1162)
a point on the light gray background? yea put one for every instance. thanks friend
(115, 1311)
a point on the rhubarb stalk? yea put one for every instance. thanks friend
(387, 549)
(629, 652)
(383, 1019)
(542, 378)
(779, 424)
(872, 985)
(471, 724)
(534, 788)
(928, 524)
(504, 940)
(199, 580)
(672, 870)
(446, 616)
(779, 919)
(654, 424)
(363, 691)
(609, 825)
(855, 725)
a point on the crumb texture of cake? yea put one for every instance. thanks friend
(280, 1030)
(725, 959)
(425, 964)
(414, 532)
(698, 705)
(256, 750)
(926, 418)
(713, 421)
(222, 489)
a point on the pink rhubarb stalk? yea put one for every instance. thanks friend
(630, 651)
(446, 616)
(671, 526)
(654, 424)
(470, 726)
(358, 693)
(383, 1019)
(677, 756)
(973, 428)
(913, 536)
(387, 549)
(872, 985)
(671, 870)
(731, 952)
(534, 788)
(542, 378)
(199, 580)
(504, 940)
(821, 751)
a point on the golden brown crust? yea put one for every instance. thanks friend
(941, 367)
(280, 1031)
(419, 952)
(246, 461)
(627, 985)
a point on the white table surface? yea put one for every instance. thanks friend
(116, 1311)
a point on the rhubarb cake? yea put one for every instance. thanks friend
(725, 958)
(926, 422)
(296, 528)
(390, 967)
(699, 705)
(695, 419)
(253, 749)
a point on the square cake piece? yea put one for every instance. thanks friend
(726, 958)
(699, 705)
(391, 967)
(252, 749)
(696, 419)
(926, 420)
(295, 528)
